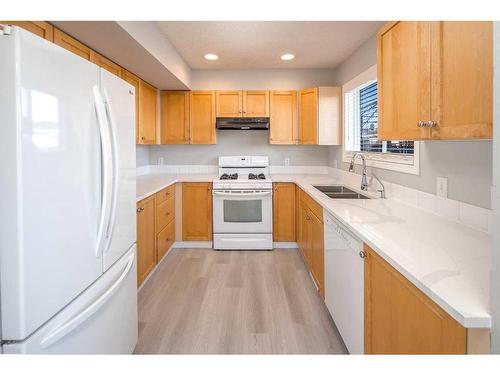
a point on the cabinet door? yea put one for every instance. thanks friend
(283, 119)
(134, 81)
(404, 81)
(175, 117)
(73, 45)
(197, 211)
(229, 103)
(400, 319)
(284, 212)
(462, 79)
(317, 252)
(202, 117)
(165, 240)
(147, 113)
(41, 28)
(305, 235)
(146, 238)
(107, 64)
(256, 103)
(308, 116)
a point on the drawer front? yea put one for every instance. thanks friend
(165, 213)
(165, 240)
(164, 194)
(315, 208)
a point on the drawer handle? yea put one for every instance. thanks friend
(140, 209)
(362, 254)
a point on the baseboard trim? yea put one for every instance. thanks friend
(153, 271)
(192, 245)
(285, 245)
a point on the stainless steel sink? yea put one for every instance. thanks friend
(340, 192)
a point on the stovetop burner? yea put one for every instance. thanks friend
(226, 176)
(254, 176)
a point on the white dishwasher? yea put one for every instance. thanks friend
(344, 283)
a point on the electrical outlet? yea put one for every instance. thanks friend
(442, 187)
(287, 162)
(160, 161)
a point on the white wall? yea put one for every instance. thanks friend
(495, 269)
(466, 164)
(239, 142)
(264, 79)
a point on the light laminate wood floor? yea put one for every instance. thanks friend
(202, 301)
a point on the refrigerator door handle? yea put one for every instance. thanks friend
(114, 155)
(72, 323)
(106, 171)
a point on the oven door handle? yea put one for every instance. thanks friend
(252, 194)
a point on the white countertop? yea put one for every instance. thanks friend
(447, 260)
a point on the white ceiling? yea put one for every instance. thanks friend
(259, 44)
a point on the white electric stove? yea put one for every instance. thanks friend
(243, 204)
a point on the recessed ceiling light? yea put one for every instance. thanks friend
(211, 56)
(287, 56)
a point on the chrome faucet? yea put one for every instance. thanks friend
(364, 181)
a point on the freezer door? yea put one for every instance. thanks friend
(50, 180)
(119, 98)
(103, 320)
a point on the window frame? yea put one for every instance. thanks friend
(395, 162)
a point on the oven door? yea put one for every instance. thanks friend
(243, 211)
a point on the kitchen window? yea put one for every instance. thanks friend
(361, 126)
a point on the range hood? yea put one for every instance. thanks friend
(243, 123)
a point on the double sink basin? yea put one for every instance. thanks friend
(340, 192)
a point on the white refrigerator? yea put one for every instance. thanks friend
(67, 193)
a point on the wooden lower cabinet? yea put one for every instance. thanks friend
(400, 319)
(165, 239)
(284, 212)
(165, 221)
(310, 238)
(197, 211)
(146, 238)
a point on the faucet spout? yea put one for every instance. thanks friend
(364, 180)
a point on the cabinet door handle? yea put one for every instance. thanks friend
(431, 124)
(421, 124)
(140, 209)
(362, 254)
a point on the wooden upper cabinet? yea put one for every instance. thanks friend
(242, 103)
(284, 212)
(256, 103)
(308, 116)
(175, 117)
(197, 211)
(229, 103)
(107, 64)
(462, 79)
(73, 45)
(202, 117)
(400, 319)
(134, 81)
(283, 117)
(147, 113)
(146, 238)
(435, 80)
(403, 73)
(41, 28)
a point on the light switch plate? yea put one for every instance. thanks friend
(160, 160)
(442, 187)
(287, 162)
